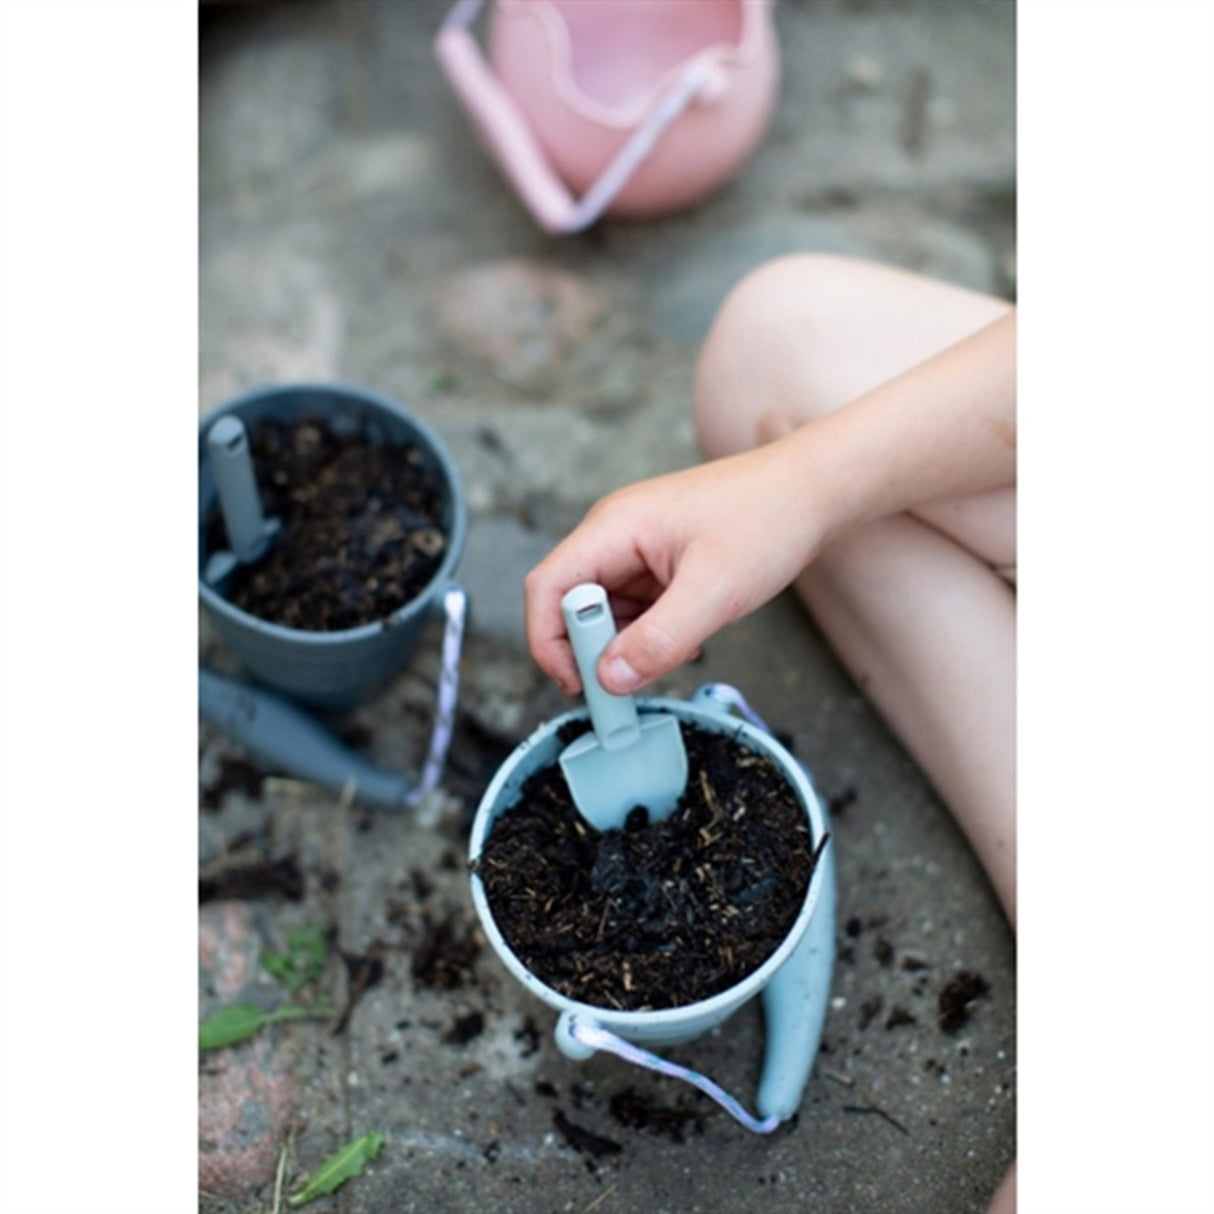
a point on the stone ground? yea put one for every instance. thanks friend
(351, 229)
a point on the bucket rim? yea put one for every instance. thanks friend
(442, 578)
(713, 1007)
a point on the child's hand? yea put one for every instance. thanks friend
(684, 554)
(681, 556)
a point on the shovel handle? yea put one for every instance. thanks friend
(278, 734)
(590, 626)
(236, 485)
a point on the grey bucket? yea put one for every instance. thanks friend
(333, 670)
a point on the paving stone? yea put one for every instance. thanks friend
(690, 284)
(499, 554)
(245, 1099)
(245, 1092)
(955, 255)
(519, 318)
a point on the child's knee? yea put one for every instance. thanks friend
(754, 357)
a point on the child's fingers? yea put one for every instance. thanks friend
(590, 554)
(694, 606)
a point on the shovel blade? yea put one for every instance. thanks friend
(607, 784)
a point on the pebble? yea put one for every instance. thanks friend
(520, 319)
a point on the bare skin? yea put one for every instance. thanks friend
(860, 424)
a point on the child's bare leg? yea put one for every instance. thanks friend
(1004, 1201)
(804, 335)
(911, 602)
(928, 632)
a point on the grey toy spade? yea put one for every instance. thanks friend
(628, 759)
(249, 531)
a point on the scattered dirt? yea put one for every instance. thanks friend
(841, 802)
(244, 878)
(447, 954)
(357, 736)
(582, 1140)
(235, 775)
(528, 1037)
(869, 1010)
(957, 999)
(361, 528)
(464, 1029)
(653, 915)
(635, 1111)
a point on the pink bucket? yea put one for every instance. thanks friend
(620, 107)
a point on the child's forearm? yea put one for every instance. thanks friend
(696, 549)
(945, 428)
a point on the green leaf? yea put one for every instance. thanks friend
(304, 959)
(444, 381)
(240, 1021)
(341, 1166)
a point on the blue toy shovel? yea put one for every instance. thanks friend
(249, 531)
(627, 760)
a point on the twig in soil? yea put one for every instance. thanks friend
(293, 791)
(365, 972)
(843, 1080)
(602, 1197)
(603, 921)
(280, 1173)
(872, 1108)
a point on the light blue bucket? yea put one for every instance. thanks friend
(793, 983)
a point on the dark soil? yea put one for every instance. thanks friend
(361, 528)
(445, 957)
(654, 915)
(638, 1112)
(582, 1140)
(464, 1029)
(957, 999)
(235, 775)
(246, 878)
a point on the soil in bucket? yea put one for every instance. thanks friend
(653, 915)
(361, 527)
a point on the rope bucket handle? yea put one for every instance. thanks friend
(580, 1036)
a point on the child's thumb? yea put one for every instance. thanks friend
(666, 635)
